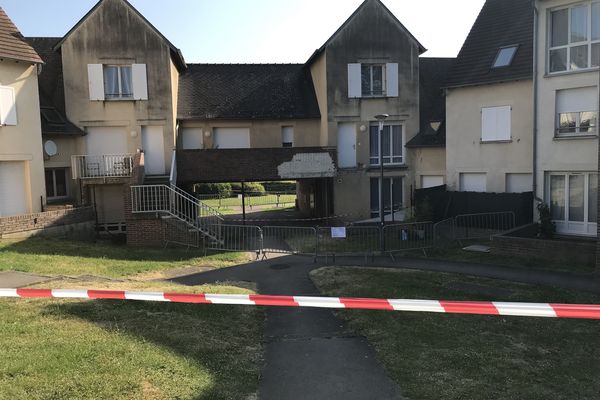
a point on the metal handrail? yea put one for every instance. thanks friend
(102, 166)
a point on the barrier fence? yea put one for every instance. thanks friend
(357, 240)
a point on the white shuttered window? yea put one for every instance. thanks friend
(495, 123)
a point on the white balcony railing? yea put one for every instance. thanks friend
(104, 166)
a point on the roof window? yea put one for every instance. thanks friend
(505, 56)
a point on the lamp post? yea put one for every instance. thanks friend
(381, 120)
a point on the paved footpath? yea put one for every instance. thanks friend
(310, 354)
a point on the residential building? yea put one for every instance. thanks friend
(567, 60)
(22, 187)
(489, 103)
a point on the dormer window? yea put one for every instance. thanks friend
(505, 56)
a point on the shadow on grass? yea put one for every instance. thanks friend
(99, 249)
(223, 340)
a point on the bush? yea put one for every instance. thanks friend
(221, 189)
(252, 188)
(282, 186)
(546, 227)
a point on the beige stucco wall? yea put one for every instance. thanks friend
(428, 161)
(559, 154)
(318, 70)
(114, 34)
(23, 142)
(466, 153)
(263, 133)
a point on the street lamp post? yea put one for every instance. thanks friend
(381, 119)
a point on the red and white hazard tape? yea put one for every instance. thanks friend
(587, 311)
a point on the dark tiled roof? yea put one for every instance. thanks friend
(51, 87)
(247, 91)
(500, 23)
(12, 43)
(432, 102)
(236, 165)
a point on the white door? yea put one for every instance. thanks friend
(473, 182)
(154, 150)
(13, 193)
(106, 140)
(428, 181)
(232, 138)
(191, 138)
(346, 145)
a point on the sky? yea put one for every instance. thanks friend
(257, 31)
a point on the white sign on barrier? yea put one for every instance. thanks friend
(338, 232)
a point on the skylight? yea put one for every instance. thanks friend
(505, 56)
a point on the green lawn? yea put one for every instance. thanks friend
(74, 349)
(266, 200)
(444, 356)
(62, 257)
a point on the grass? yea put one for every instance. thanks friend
(456, 253)
(265, 200)
(433, 356)
(62, 257)
(66, 349)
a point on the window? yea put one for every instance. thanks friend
(505, 56)
(51, 115)
(392, 195)
(118, 82)
(8, 106)
(519, 183)
(573, 199)
(372, 78)
(574, 39)
(287, 136)
(473, 182)
(576, 111)
(56, 183)
(495, 124)
(392, 145)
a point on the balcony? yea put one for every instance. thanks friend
(103, 166)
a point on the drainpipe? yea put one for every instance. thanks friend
(535, 102)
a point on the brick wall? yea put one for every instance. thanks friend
(47, 219)
(581, 252)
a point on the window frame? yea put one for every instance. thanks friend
(374, 208)
(370, 66)
(54, 185)
(391, 156)
(567, 196)
(120, 96)
(589, 43)
(577, 133)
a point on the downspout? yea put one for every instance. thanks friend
(535, 102)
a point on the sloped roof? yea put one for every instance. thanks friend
(12, 43)
(51, 87)
(247, 91)
(320, 50)
(176, 54)
(500, 23)
(432, 102)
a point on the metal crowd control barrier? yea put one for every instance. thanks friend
(444, 232)
(289, 240)
(485, 225)
(352, 240)
(237, 238)
(411, 236)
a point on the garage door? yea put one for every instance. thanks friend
(473, 182)
(232, 138)
(13, 193)
(110, 205)
(106, 140)
(428, 181)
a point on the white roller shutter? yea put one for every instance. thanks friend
(106, 140)
(577, 100)
(191, 138)
(13, 193)
(391, 71)
(354, 81)
(140, 82)
(519, 183)
(8, 106)
(473, 182)
(232, 138)
(428, 181)
(96, 82)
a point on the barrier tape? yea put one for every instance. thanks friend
(581, 311)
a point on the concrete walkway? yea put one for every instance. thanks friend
(309, 353)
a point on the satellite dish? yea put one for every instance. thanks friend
(50, 148)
